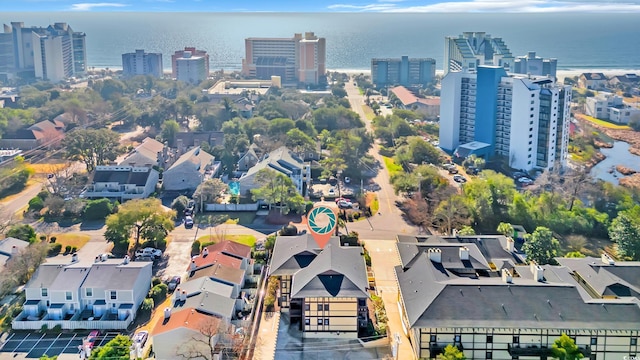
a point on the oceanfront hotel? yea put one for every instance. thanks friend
(485, 111)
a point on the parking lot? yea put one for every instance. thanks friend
(31, 345)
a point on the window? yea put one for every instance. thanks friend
(319, 307)
(44, 292)
(634, 341)
(67, 295)
(326, 307)
(489, 339)
(89, 292)
(307, 307)
(456, 339)
(533, 95)
(516, 339)
(319, 321)
(489, 355)
(307, 322)
(113, 295)
(326, 321)
(594, 341)
(432, 338)
(284, 284)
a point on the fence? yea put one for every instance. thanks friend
(71, 324)
(231, 207)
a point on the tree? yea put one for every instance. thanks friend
(170, 129)
(23, 232)
(98, 209)
(505, 229)
(625, 232)
(140, 218)
(451, 352)
(299, 141)
(92, 147)
(564, 348)
(466, 231)
(116, 349)
(203, 344)
(21, 266)
(541, 246)
(209, 191)
(275, 187)
(180, 204)
(450, 214)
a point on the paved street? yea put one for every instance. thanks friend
(390, 222)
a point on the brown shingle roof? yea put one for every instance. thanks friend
(232, 248)
(213, 258)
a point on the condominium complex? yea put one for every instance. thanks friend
(190, 65)
(53, 53)
(476, 294)
(472, 49)
(535, 65)
(301, 59)
(403, 71)
(142, 63)
(607, 106)
(523, 119)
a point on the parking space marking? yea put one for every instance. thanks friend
(68, 343)
(53, 342)
(36, 344)
(20, 343)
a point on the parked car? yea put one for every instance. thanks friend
(173, 283)
(140, 337)
(453, 170)
(90, 340)
(347, 180)
(342, 199)
(332, 192)
(149, 251)
(343, 204)
(188, 222)
(459, 178)
(524, 181)
(145, 258)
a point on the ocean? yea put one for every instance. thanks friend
(577, 40)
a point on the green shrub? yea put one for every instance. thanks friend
(146, 307)
(23, 232)
(57, 329)
(53, 239)
(67, 249)
(44, 328)
(356, 216)
(367, 258)
(74, 249)
(98, 209)
(195, 247)
(54, 249)
(155, 281)
(43, 238)
(158, 293)
(308, 206)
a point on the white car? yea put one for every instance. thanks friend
(332, 192)
(344, 204)
(156, 253)
(347, 180)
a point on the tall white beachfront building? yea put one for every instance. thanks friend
(142, 63)
(190, 65)
(521, 118)
(300, 59)
(535, 65)
(472, 49)
(53, 53)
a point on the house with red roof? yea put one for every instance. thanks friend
(47, 132)
(184, 332)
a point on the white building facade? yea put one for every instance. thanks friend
(524, 119)
(142, 63)
(472, 49)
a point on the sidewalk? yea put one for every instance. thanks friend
(265, 347)
(384, 257)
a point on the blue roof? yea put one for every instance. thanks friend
(56, 306)
(126, 306)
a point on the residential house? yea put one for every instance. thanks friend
(121, 183)
(430, 107)
(607, 106)
(10, 247)
(624, 81)
(284, 161)
(190, 170)
(81, 295)
(207, 296)
(183, 331)
(195, 138)
(149, 153)
(45, 133)
(250, 158)
(592, 81)
(324, 290)
(455, 292)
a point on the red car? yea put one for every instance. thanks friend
(91, 338)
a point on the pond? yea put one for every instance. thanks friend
(617, 155)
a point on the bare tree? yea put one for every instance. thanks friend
(451, 214)
(20, 267)
(215, 336)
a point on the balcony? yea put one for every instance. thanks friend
(528, 350)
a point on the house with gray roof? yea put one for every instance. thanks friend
(190, 170)
(283, 161)
(325, 290)
(104, 294)
(149, 153)
(121, 183)
(10, 247)
(206, 296)
(450, 294)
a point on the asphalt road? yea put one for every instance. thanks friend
(390, 221)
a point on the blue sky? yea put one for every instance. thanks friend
(326, 5)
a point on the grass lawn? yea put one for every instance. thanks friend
(392, 167)
(248, 240)
(47, 168)
(603, 123)
(368, 112)
(242, 217)
(72, 240)
(372, 202)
